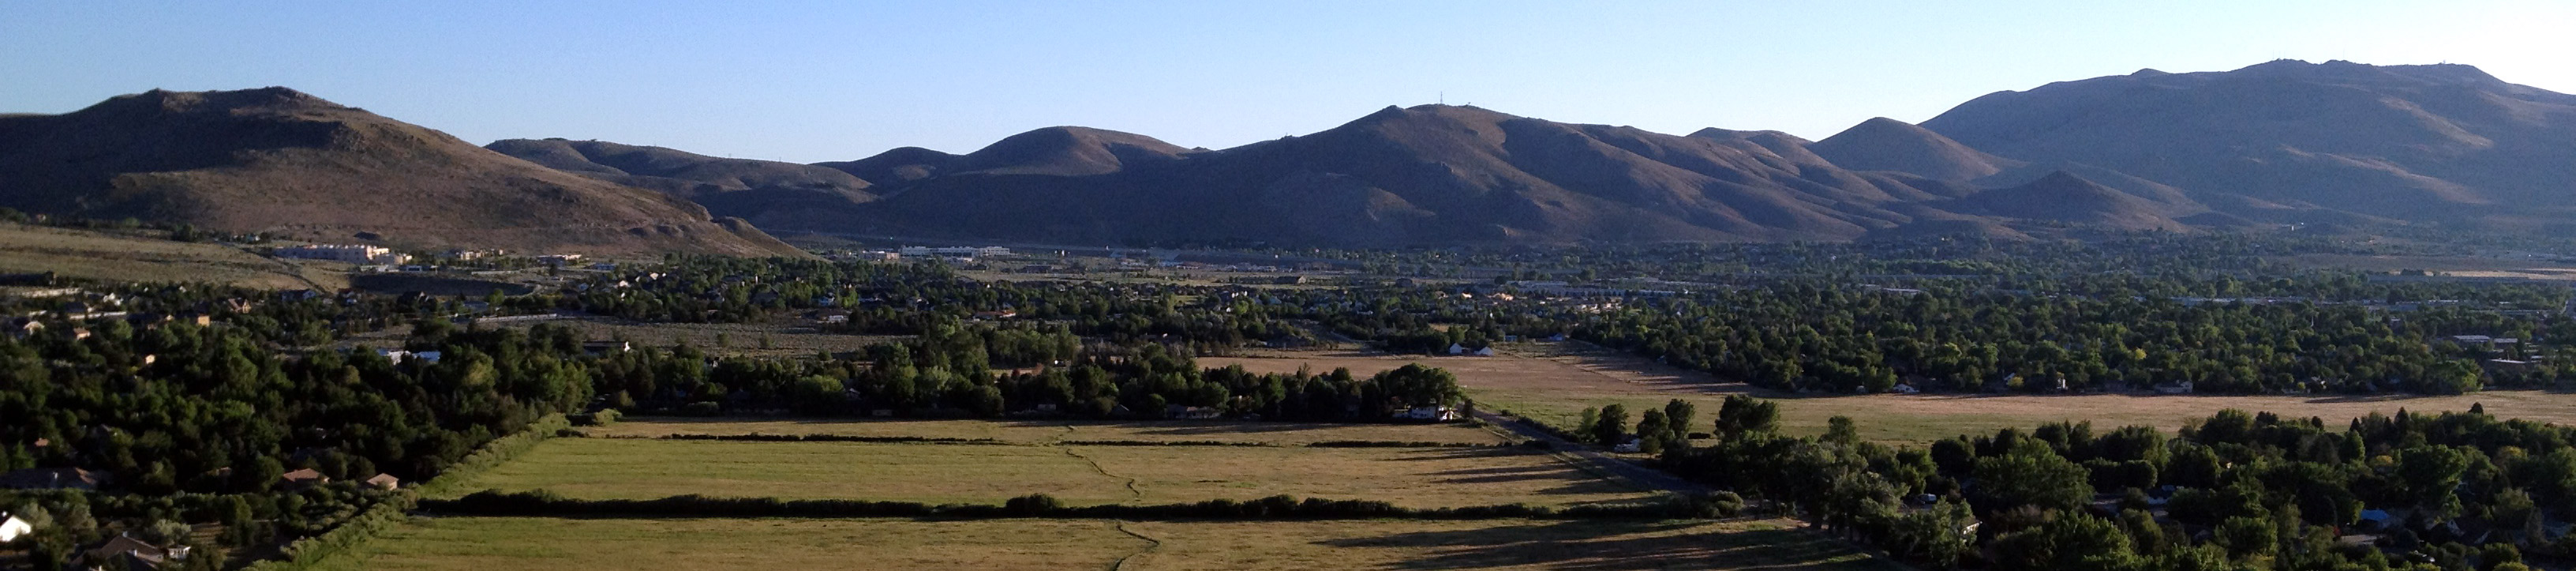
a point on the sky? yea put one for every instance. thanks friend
(842, 80)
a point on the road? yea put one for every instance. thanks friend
(1601, 462)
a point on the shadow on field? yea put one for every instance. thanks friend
(1603, 545)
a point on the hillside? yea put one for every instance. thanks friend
(279, 161)
(1428, 174)
(2064, 197)
(2278, 143)
(1883, 144)
(2431, 142)
(741, 188)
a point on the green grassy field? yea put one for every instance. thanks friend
(107, 256)
(482, 544)
(603, 468)
(1049, 431)
(1553, 383)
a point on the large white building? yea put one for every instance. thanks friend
(352, 253)
(11, 528)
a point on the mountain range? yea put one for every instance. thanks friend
(2280, 143)
(2276, 144)
(281, 162)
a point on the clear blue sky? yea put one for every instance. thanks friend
(817, 81)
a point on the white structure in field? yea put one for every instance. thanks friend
(352, 253)
(953, 252)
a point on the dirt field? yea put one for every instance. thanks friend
(1051, 431)
(944, 473)
(103, 256)
(479, 544)
(487, 544)
(1553, 384)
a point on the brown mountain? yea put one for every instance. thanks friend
(1883, 144)
(2430, 142)
(1428, 174)
(276, 160)
(741, 188)
(2065, 197)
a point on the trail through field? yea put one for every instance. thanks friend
(1151, 544)
(1095, 467)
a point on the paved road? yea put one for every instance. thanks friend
(1571, 451)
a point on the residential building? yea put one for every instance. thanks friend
(12, 528)
(304, 477)
(351, 253)
(53, 479)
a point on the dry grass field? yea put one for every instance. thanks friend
(1051, 431)
(785, 337)
(479, 544)
(604, 468)
(487, 544)
(104, 256)
(1554, 385)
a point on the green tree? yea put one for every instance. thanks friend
(1740, 415)
(2032, 477)
(1611, 429)
(2070, 541)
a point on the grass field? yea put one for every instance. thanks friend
(105, 256)
(1552, 384)
(1049, 431)
(602, 468)
(479, 544)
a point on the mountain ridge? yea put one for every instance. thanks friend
(285, 162)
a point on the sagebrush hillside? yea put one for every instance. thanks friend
(280, 161)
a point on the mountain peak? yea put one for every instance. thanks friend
(1068, 151)
(1883, 144)
(264, 98)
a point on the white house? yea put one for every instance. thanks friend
(13, 528)
(352, 253)
(1432, 413)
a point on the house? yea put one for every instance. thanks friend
(1430, 413)
(384, 482)
(303, 478)
(1632, 446)
(128, 553)
(352, 253)
(12, 528)
(430, 356)
(834, 316)
(1904, 389)
(1457, 349)
(24, 327)
(53, 479)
